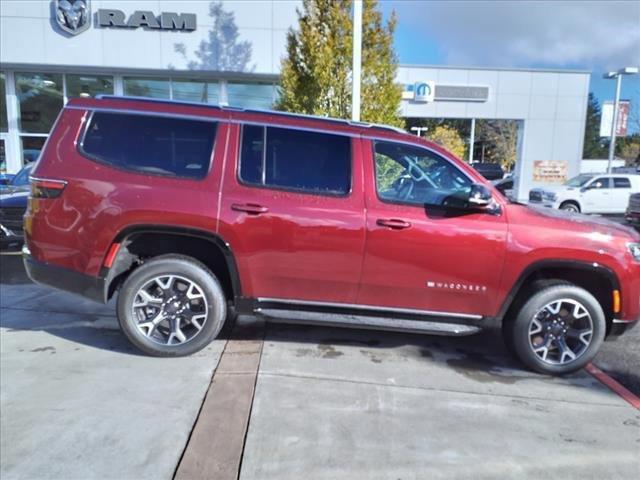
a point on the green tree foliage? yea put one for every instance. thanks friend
(461, 125)
(594, 147)
(497, 141)
(317, 72)
(449, 138)
(628, 148)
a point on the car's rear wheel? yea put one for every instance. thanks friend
(570, 207)
(171, 306)
(558, 330)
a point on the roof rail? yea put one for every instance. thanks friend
(255, 110)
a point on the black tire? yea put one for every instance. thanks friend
(570, 206)
(516, 329)
(182, 267)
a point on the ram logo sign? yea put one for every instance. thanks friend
(73, 16)
(424, 92)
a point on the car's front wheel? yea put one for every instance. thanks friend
(570, 207)
(558, 330)
(171, 306)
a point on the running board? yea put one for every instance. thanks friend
(366, 322)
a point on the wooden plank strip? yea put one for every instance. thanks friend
(215, 447)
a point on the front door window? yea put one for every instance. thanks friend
(412, 175)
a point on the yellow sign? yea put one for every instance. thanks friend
(550, 171)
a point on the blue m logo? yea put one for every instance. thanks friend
(423, 92)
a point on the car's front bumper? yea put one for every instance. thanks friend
(618, 327)
(632, 217)
(8, 237)
(544, 203)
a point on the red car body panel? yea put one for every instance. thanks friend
(305, 247)
(311, 247)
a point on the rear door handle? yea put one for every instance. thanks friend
(393, 223)
(250, 208)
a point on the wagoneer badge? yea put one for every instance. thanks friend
(73, 16)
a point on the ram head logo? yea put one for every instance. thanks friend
(73, 16)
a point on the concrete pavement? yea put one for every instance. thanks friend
(358, 404)
(78, 402)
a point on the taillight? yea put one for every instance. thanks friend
(47, 188)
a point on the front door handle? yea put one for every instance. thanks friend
(250, 208)
(393, 223)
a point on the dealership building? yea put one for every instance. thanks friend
(51, 51)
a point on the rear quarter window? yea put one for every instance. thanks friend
(151, 144)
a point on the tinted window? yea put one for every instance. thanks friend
(150, 144)
(414, 175)
(293, 159)
(602, 182)
(621, 183)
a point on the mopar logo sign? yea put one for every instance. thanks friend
(424, 92)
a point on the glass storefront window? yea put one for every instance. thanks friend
(31, 147)
(3, 157)
(250, 95)
(147, 87)
(88, 85)
(195, 91)
(4, 125)
(40, 97)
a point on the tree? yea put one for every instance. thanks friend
(462, 127)
(449, 138)
(498, 141)
(317, 72)
(221, 51)
(628, 148)
(594, 147)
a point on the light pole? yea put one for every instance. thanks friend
(614, 123)
(357, 60)
(419, 130)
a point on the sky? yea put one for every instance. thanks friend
(597, 36)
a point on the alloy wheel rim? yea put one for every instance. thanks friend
(561, 332)
(170, 310)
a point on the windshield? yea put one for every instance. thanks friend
(578, 181)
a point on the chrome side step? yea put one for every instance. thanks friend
(366, 322)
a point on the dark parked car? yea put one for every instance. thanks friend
(633, 210)
(13, 204)
(505, 186)
(490, 171)
(184, 210)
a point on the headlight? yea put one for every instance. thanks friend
(634, 248)
(552, 197)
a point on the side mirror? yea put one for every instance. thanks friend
(480, 195)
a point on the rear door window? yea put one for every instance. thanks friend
(309, 162)
(151, 144)
(621, 182)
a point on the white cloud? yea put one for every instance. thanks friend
(604, 34)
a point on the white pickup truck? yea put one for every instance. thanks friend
(589, 193)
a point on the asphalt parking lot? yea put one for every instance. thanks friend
(277, 401)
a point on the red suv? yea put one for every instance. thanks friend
(191, 212)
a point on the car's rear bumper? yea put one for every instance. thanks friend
(92, 288)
